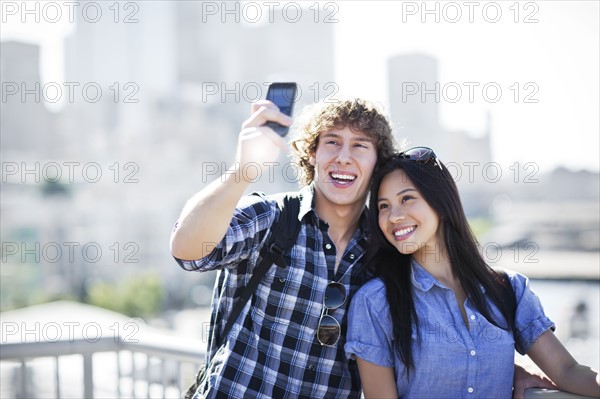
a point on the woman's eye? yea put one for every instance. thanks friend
(383, 206)
(407, 198)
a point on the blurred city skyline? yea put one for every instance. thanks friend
(543, 56)
(152, 108)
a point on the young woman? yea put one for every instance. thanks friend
(434, 323)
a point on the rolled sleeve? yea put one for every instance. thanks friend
(530, 319)
(246, 233)
(370, 330)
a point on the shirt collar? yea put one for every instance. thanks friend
(307, 195)
(421, 279)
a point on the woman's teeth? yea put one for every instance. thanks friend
(405, 231)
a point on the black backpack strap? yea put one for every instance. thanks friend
(284, 232)
(508, 297)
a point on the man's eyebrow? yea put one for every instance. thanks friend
(352, 138)
(397, 194)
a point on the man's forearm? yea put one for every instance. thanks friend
(206, 216)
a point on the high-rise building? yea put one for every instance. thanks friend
(136, 46)
(414, 99)
(122, 63)
(233, 57)
(26, 124)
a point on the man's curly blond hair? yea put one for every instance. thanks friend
(357, 114)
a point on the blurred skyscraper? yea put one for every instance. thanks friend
(415, 97)
(414, 109)
(131, 58)
(238, 58)
(27, 126)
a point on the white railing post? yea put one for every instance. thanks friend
(88, 376)
(23, 387)
(57, 376)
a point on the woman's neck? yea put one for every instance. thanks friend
(435, 259)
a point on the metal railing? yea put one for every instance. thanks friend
(157, 366)
(167, 367)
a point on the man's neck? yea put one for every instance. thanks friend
(342, 219)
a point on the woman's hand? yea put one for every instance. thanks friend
(524, 380)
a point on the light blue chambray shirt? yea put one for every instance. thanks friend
(452, 361)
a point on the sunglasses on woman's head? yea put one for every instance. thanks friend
(329, 330)
(420, 155)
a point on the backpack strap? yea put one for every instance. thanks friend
(284, 232)
(508, 297)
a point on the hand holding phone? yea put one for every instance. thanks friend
(283, 95)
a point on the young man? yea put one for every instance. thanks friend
(276, 348)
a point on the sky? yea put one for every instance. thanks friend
(542, 55)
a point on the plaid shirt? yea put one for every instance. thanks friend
(272, 350)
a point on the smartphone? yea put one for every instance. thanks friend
(283, 95)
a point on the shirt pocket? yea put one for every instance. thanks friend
(280, 297)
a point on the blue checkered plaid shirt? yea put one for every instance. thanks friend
(272, 350)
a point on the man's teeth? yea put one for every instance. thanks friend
(338, 176)
(404, 231)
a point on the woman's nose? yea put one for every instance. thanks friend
(397, 215)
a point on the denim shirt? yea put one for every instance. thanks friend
(452, 360)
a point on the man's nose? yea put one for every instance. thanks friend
(344, 155)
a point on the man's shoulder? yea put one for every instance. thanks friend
(277, 201)
(258, 196)
(258, 200)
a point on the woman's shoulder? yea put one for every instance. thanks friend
(372, 288)
(369, 299)
(518, 281)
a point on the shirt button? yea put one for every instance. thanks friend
(311, 366)
(281, 280)
(470, 390)
(472, 317)
(473, 353)
(328, 246)
(352, 256)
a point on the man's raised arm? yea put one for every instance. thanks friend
(206, 215)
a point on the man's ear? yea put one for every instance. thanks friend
(312, 160)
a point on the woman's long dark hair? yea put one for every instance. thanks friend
(438, 189)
